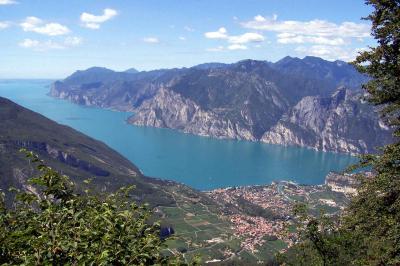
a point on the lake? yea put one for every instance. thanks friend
(201, 162)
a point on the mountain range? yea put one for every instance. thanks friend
(307, 102)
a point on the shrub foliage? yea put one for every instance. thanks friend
(50, 223)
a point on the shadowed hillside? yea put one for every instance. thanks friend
(69, 151)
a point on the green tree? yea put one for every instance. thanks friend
(369, 231)
(51, 224)
(374, 215)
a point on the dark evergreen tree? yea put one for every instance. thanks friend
(369, 231)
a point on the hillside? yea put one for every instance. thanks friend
(247, 100)
(69, 151)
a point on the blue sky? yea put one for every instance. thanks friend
(51, 39)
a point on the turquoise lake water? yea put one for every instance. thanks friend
(200, 162)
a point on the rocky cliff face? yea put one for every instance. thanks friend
(122, 96)
(289, 102)
(345, 183)
(169, 109)
(340, 123)
(61, 156)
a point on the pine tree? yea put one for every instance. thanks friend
(368, 233)
(374, 214)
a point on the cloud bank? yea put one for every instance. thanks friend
(8, 2)
(50, 44)
(235, 42)
(314, 31)
(94, 22)
(37, 25)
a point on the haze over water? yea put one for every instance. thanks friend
(200, 162)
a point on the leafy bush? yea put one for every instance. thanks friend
(50, 223)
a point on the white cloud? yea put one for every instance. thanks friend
(329, 52)
(246, 38)
(231, 47)
(151, 40)
(188, 28)
(93, 22)
(29, 43)
(72, 41)
(288, 38)
(314, 31)
(215, 49)
(50, 44)
(313, 27)
(37, 25)
(8, 2)
(4, 25)
(237, 47)
(222, 34)
(182, 38)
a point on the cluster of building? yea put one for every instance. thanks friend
(278, 198)
(254, 230)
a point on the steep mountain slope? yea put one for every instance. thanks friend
(108, 89)
(333, 74)
(219, 102)
(69, 151)
(341, 123)
(244, 100)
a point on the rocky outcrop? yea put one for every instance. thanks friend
(340, 123)
(61, 156)
(170, 110)
(344, 183)
(122, 96)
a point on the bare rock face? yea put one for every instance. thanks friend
(340, 123)
(344, 183)
(170, 110)
(122, 96)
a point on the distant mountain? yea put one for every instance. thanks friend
(131, 70)
(69, 151)
(244, 100)
(332, 74)
(210, 65)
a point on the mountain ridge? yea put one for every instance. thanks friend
(242, 100)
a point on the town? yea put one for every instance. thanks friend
(278, 200)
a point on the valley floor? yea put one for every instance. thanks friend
(250, 225)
